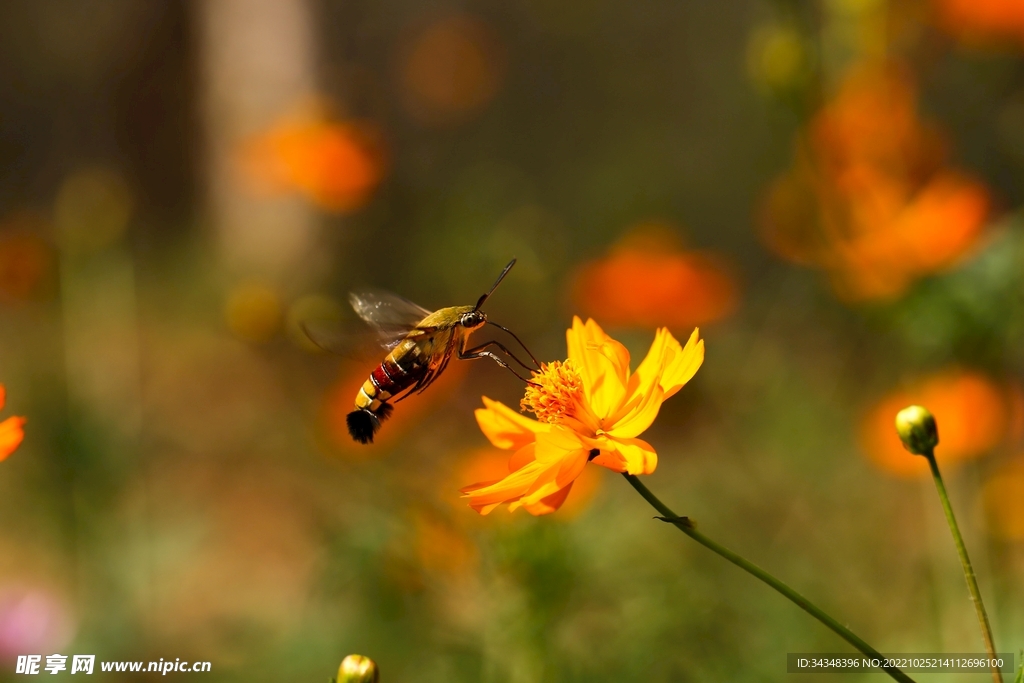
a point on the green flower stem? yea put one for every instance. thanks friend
(687, 528)
(961, 549)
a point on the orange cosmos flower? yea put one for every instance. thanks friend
(870, 199)
(11, 430)
(668, 285)
(591, 408)
(977, 21)
(336, 164)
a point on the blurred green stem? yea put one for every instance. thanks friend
(961, 549)
(686, 526)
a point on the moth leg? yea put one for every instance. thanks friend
(480, 352)
(505, 350)
(536, 363)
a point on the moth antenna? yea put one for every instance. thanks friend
(481, 300)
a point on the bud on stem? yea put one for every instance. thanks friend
(358, 669)
(917, 430)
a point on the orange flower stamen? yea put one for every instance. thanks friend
(554, 392)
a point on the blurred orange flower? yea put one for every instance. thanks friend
(977, 21)
(1002, 496)
(11, 430)
(591, 408)
(973, 414)
(452, 70)
(870, 199)
(26, 260)
(667, 285)
(335, 164)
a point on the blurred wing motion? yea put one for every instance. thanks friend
(392, 316)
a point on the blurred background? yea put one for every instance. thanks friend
(831, 190)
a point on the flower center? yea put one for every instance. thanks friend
(554, 393)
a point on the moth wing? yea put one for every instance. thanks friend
(392, 316)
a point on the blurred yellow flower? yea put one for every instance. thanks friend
(11, 430)
(591, 408)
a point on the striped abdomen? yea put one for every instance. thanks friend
(401, 369)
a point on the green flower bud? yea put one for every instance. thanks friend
(358, 669)
(917, 430)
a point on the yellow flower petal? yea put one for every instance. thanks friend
(548, 505)
(662, 368)
(640, 416)
(610, 348)
(484, 509)
(542, 487)
(504, 427)
(521, 458)
(511, 487)
(576, 340)
(648, 373)
(639, 456)
(555, 444)
(548, 466)
(612, 460)
(572, 467)
(603, 364)
(682, 364)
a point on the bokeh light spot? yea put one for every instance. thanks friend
(92, 210)
(253, 312)
(26, 258)
(452, 70)
(1003, 497)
